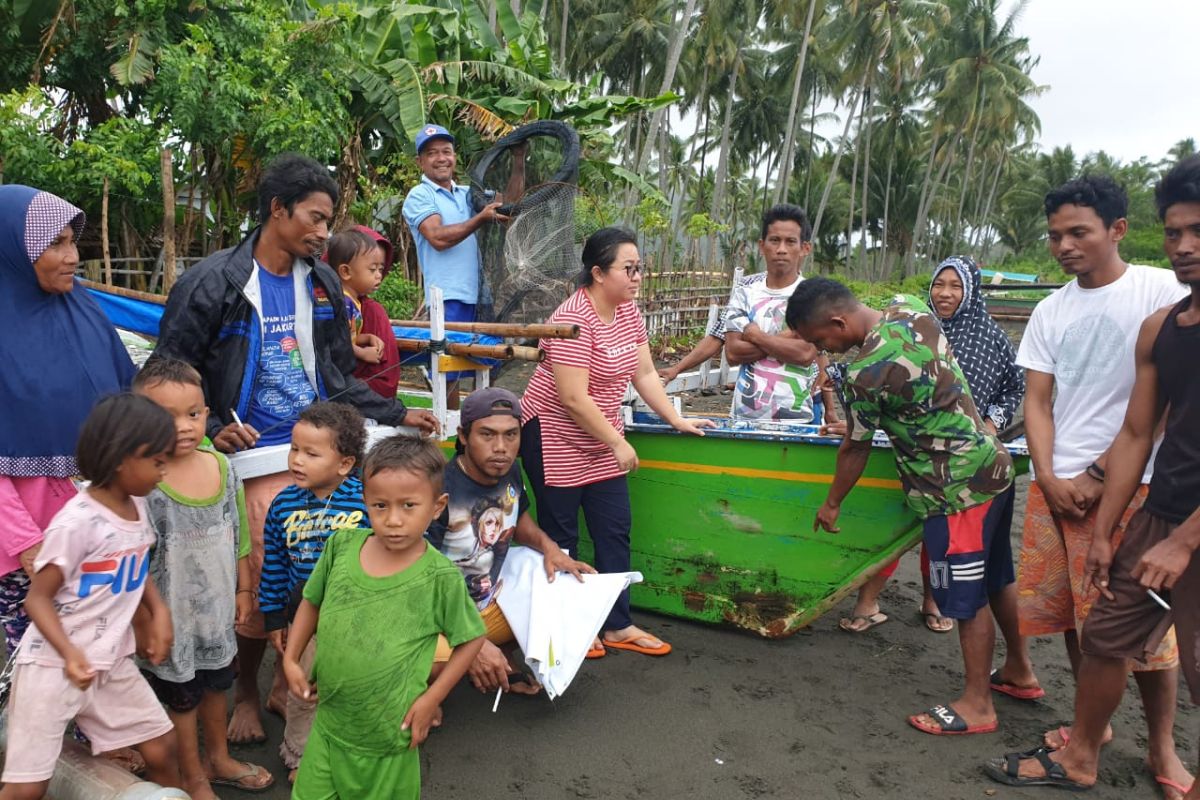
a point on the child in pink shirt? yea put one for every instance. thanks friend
(90, 577)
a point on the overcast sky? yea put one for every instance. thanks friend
(1123, 76)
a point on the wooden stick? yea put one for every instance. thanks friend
(132, 294)
(500, 329)
(503, 352)
(104, 233)
(168, 233)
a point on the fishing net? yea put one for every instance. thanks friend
(528, 265)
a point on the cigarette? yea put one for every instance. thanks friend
(499, 694)
(238, 419)
(1154, 596)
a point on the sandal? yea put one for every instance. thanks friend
(1014, 691)
(867, 621)
(937, 623)
(1007, 770)
(254, 779)
(632, 645)
(949, 723)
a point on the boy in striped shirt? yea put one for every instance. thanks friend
(327, 445)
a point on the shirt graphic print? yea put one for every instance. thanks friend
(767, 388)
(477, 527)
(281, 386)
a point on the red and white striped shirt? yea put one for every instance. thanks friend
(609, 352)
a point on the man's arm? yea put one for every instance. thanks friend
(752, 344)
(1129, 453)
(851, 461)
(1063, 497)
(555, 560)
(706, 348)
(443, 237)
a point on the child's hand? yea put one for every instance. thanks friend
(78, 669)
(278, 640)
(161, 639)
(297, 681)
(419, 719)
(245, 607)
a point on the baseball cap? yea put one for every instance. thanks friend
(432, 132)
(489, 402)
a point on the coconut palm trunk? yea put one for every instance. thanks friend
(790, 132)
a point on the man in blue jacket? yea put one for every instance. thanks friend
(264, 324)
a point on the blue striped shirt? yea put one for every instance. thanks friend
(294, 534)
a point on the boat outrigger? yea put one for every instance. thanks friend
(722, 525)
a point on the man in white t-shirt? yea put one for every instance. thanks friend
(1080, 341)
(779, 371)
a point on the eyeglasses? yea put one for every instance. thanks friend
(632, 270)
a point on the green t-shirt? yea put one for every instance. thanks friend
(376, 638)
(906, 382)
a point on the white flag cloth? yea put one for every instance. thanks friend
(555, 623)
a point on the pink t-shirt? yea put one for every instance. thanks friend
(104, 560)
(609, 352)
(27, 505)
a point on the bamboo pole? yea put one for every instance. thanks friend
(500, 329)
(503, 352)
(104, 233)
(132, 294)
(168, 234)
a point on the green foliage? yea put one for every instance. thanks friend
(701, 225)
(398, 295)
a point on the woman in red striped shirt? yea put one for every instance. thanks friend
(572, 441)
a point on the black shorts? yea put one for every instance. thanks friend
(1132, 624)
(184, 697)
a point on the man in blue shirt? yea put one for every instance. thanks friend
(443, 222)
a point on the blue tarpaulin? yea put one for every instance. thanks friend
(142, 316)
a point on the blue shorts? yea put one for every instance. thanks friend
(458, 311)
(970, 555)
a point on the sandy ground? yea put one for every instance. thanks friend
(728, 715)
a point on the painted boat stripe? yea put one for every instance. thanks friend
(775, 474)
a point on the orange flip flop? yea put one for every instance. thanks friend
(633, 647)
(598, 652)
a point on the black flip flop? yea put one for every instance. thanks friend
(1008, 771)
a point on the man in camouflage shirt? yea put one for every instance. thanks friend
(905, 381)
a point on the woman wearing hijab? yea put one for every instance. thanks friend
(60, 354)
(997, 384)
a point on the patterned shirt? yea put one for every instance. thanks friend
(905, 381)
(609, 352)
(295, 533)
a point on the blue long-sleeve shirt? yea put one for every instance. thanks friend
(294, 534)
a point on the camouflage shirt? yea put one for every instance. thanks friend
(906, 382)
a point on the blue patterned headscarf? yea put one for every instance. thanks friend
(59, 354)
(981, 348)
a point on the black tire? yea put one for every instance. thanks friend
(568, 171)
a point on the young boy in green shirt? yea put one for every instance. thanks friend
(378, 600)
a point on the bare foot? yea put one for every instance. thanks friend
(530, 687)
(245, 724)
(1057, 738)
(277, 700)
(1172, 776)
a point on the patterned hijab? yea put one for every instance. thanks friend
(981, 348)
(59, 354)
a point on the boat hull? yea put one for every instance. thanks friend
(723, 528)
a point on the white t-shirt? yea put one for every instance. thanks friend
(1085, 338)
(104, 561)
(768, 389)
